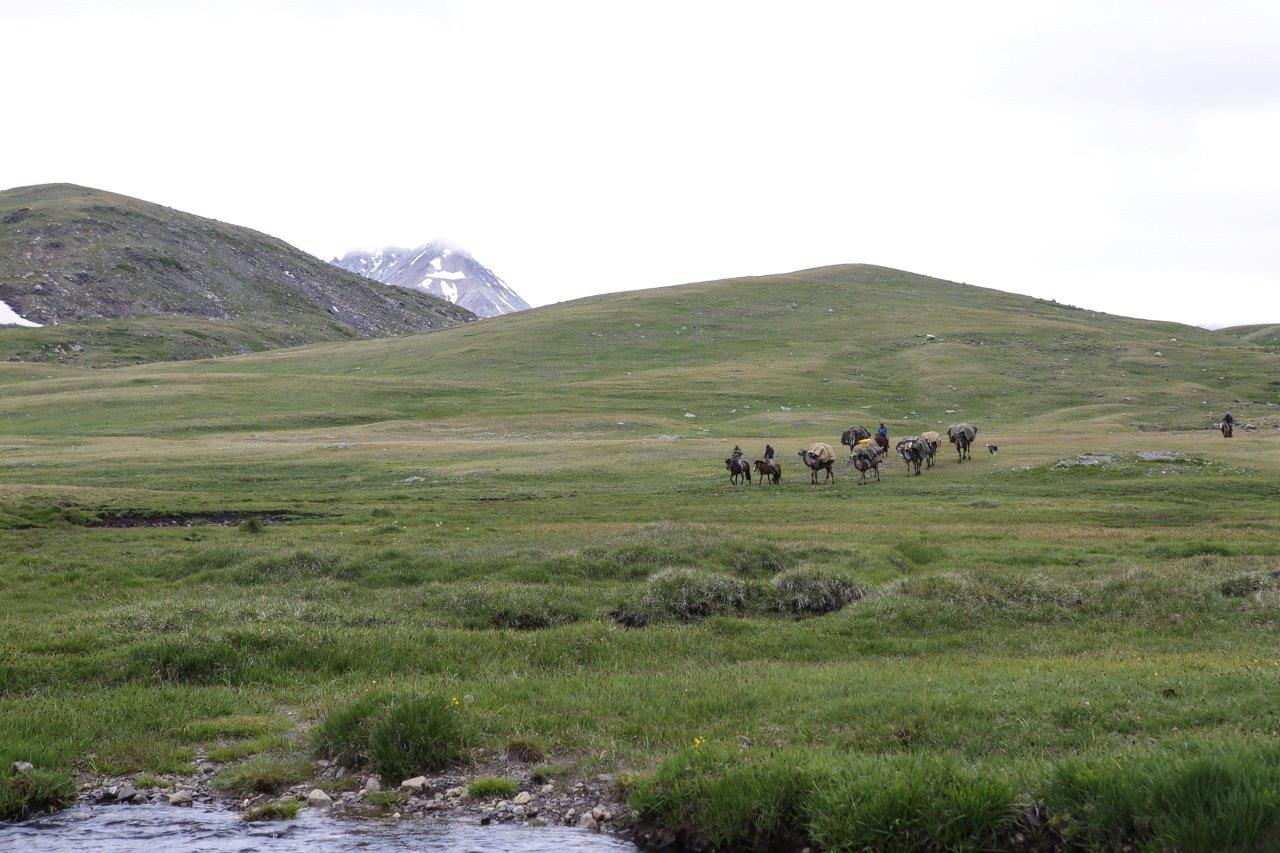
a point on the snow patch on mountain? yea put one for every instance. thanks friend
(9, 317)
(441, 270)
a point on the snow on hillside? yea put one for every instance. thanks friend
(440, 270)
(9, 317)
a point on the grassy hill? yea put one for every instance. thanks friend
(116, 280)
(1027, 647)
(804, 352)
(1264, 334)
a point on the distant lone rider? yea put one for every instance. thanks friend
(1228, 425)
(882, 436)
(768, 451)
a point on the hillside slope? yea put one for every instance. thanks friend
(1263, 334)
(155, 283)
(441, 270)
(803, 353)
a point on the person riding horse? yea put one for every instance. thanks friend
(1228, 425)
(882, 437)
(768, 451)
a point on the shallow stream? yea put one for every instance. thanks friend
(157, 828)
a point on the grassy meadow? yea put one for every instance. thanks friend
(996, 649)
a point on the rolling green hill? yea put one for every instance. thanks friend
(1070, 644)
(806, 351)
(1264, 334)
(115, 280)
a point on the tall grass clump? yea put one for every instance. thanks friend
(35, 792)
(491, 787)
(913, 803)
(251, 525)
(686, 595)
(1191, 798)
(397, 736)
(283, 809)
(809, 593)
(263, 774)
(706, 799)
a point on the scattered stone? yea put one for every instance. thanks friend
(454, 793)
(600, 813)
(930, 337)
(417, 783)
(1087, 460)
(183, 798)
(373, 784)
(23, 767)
(319, 799)
(588, 822)
(126, 793)
(522, 798)
(517, 810)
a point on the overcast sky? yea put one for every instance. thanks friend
(1116, 155)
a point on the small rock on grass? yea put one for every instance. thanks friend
(319, 799)
(373, 784)
(23, 767)
(522, 798)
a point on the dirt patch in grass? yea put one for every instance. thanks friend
(225, 518)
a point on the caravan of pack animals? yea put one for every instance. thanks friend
(868, 452)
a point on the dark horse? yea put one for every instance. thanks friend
(739, 469)
(852, 436)
(769, 469)
(1228, 429)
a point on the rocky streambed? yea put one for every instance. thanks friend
(594, 804)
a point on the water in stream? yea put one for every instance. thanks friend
(115, 829)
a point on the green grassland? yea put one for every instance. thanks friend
(475, 505)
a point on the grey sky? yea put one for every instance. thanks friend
(1116, 155)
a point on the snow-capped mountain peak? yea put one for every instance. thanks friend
(441, 270)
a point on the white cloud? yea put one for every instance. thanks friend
(1119, 156)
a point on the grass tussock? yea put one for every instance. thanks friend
(1248, 584)
(686, 595)
(491, 787)
(1201, 797)
(264, 774)
(527, 750)
(36, 792)
(1189, 797)
(509, 607)
(810, 593)
(397, 736)
(282, 809)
